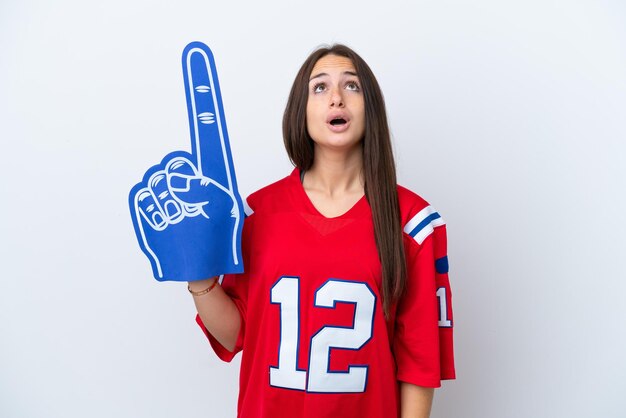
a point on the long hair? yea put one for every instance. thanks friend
(378, 163)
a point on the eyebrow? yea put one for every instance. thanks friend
(325, 74)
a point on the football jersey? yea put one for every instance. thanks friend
(314, 336)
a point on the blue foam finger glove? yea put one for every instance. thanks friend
(187, 212)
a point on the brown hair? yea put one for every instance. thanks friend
(378, 163)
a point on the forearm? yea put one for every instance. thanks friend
(218, 312)
(415, 401)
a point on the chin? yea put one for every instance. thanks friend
(339, 144)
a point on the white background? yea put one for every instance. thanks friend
(508, 116)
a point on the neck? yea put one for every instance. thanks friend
(335, 173)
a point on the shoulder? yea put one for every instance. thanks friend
(419, 219)
(271, 196)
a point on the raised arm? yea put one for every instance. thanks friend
(218, 312)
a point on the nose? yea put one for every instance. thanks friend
(336, 98)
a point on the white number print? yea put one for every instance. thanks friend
(286, 375)
(444, 322)
(319, 378)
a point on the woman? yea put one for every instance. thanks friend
(344, 309)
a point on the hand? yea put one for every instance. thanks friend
(187, 212)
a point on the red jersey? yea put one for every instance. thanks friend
(314, 337)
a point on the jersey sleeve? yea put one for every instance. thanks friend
(444, 303)
(423, 327)
(235, 286)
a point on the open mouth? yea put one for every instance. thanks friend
(338, 122)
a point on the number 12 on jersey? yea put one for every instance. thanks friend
(319, 378)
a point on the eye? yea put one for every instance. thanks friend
(319, 87)
(352, 86)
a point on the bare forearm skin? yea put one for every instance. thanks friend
(218, 312)
(415, 401)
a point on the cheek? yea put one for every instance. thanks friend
(310, 118)
(359, 114)
(360, 117)
(313, 113)
(310, 110)
(312, 107)
(357, 104)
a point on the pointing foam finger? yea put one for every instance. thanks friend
(206, 116)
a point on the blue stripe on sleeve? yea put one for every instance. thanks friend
(423, 224)
(441, 265)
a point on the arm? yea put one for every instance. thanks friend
(218, 312)
(415, 401)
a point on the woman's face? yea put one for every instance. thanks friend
(335, 110)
